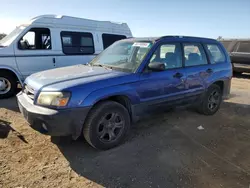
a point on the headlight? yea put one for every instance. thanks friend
(53, 98)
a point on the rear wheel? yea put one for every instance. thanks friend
(8, 85)
(107, 125)
(211, 101)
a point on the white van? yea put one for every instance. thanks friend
(50, 41)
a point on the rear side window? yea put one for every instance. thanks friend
(77, 43)
(194, 55)
(109, 39)
(244, 47)
(215, 53)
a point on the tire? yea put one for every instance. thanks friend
(101, 128)
(10, 79)
(205, 105)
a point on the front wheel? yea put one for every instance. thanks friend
(211, 101)
(107, 125)
(8, 85)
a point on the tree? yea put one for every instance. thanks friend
(2, 35)
(219, 38)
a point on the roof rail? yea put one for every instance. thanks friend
(71, 17)
(181, 36)
(240, 39)
(47, 16)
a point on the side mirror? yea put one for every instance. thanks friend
(23, 44)
(20, 46)
(156, 66)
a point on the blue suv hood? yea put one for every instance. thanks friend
(70, 76)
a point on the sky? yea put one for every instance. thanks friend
(204, 18)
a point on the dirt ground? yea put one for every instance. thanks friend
(165, 150)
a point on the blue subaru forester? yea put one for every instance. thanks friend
(130, 78)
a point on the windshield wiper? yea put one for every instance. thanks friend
(122, 61)
(101, 65)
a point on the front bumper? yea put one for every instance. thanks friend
(63, 122)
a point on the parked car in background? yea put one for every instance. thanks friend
(239, 51)
(130, 78)
(50, 41)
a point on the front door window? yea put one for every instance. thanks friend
(194, 55)
(169, 54)
(36, 39)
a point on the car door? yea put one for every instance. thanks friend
(240, 57)
(34, 51)
(218, 62)
(197, 68)
(163, 87)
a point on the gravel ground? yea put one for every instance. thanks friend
(164, 150)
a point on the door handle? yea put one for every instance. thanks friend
(54, 61)
(209, 71)
(178, 75)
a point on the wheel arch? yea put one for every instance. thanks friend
(219, 83)
(121, 99)
(12, 71)
(123, 94)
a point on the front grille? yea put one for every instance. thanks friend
(29, 91)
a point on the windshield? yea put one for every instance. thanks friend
(6, 41)
(123, 55)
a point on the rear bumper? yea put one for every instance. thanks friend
(237, 67)
(227, 88)
(52, 122)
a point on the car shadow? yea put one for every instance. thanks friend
(156, 154)
(243, 75)
(5, 128)
(119, 166)
(10, 104)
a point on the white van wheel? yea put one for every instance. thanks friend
(5, 86)
(8, 85)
